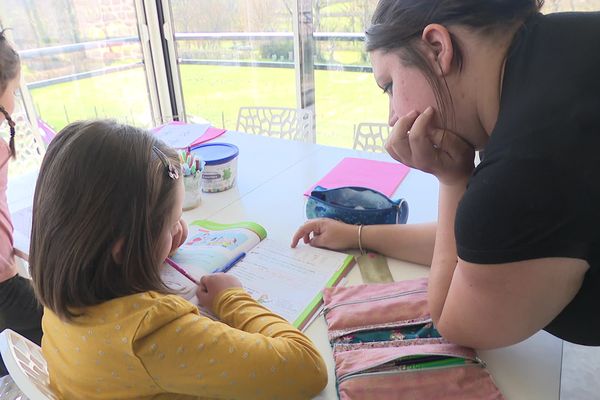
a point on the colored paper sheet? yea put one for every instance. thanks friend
(382, 176)
(210, 134)
(180, 135)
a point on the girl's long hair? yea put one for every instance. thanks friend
(100, 182)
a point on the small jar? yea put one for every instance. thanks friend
(192, 184)
(220, 171)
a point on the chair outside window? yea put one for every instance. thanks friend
(280, 122)
(26, 365)
(371, 136)
(29, 146)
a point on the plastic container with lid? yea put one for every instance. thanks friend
(220, 170)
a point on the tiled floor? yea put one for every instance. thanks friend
(580, 378)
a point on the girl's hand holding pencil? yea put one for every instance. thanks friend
(210, 286)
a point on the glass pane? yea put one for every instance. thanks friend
(551, 6)
(29, 146)
(234, 53)
(345, 90)
(81, 59)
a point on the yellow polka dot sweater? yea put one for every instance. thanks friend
(154, 346)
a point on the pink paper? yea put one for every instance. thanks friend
(210, 134)
(382, 176)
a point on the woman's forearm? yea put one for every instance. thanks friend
(444, 253)
(411, 242)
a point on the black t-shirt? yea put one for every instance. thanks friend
(537, 192)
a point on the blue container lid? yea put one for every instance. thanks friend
(216, 153)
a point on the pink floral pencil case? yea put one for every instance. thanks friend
(386, 347)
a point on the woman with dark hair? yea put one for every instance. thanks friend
(19, 309)
(515, 248)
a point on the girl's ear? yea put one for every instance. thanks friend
(117, 251)
(439, 48)
(180, 237)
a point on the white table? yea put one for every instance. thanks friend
(272, 177)
(20, 198)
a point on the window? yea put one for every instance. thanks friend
(81, 59)
(234, 53)
(345, 90)
(551, 6)
(84, 59)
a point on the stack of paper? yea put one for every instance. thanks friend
(180, 135)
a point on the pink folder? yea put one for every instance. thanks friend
(382, 176)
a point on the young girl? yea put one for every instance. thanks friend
(107, 208)
(19, 309)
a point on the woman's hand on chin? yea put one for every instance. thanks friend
(415, 142)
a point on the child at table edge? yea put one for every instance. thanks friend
(19, 309)
(106, 214)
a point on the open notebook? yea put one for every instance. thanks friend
(287, 281)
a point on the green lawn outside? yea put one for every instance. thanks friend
(120, 95)
(343, 99)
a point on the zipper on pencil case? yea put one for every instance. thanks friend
(339, 335)
(394, 358)
(396, 372)
(327, 309)
(451, 362)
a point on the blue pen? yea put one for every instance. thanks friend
(230, 264)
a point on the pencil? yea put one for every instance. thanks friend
(180, 270)
(230, 264)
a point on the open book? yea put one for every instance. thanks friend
(287, 281)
